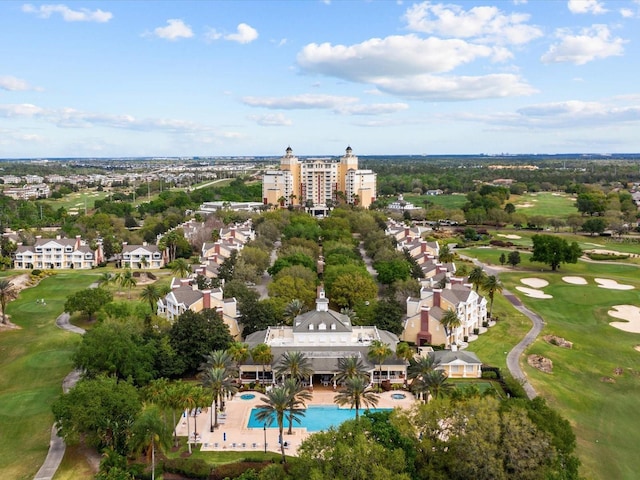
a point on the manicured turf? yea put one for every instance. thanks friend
(34, 361)
(544, 203)
(446, 201)
(604, 415)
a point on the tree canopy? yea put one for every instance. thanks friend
(554, 250)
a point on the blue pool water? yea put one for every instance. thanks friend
(247, 396)
(316, 418)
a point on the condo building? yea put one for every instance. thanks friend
(318, 183)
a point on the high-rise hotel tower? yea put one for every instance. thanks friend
(318, 182)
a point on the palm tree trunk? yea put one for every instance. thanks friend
(188, 431)
(153, 460)
(281, 433)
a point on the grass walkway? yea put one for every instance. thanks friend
(33, 362)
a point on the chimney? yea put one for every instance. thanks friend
(407, 232)
(184, 282)
(436, 297)
(217, 248)
(57, 237)
(206, 299)
(423, 246)
(424, 318)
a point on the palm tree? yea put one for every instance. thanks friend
(261, 354)
(419, 369)
(356, 393)
(476, 277)
(299, 397)
(492, 285)
(239, 352)
(219, 382)
(217, 359)
(449, 321)
(351, 367)
(295, 364)
(436, 383)
(379, 352)
(173, 400)
(127, 280)
(187, 399)
(404, 351)
(180, 267)
(446, 255)
(149, 431)
(150, 294)
(105, 279)
(7, 293)
(294, 308)
(276, 403)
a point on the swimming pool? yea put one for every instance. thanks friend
(317, 417)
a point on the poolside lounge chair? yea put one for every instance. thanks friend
(216, 445)
(255, 445)
(234, 445)
(244, 445)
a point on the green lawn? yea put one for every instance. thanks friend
(76, 200)
(34, 361)
(544, 203)
(446, 201)
(604, 415)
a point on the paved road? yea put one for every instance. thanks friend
(56, 445)
(513, 357)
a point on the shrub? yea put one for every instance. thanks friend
(606, 256)
(36, 272)
(485, 324)
(189, 467)
(233, 470)
(465, 339)
(490, 375)
(476, 331)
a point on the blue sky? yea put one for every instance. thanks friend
(181, 78)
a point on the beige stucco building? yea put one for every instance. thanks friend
(318, 182)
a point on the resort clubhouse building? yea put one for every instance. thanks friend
(325, 336)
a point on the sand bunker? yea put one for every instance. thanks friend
(534, 282)
(526, 205)
(530, 292)
(630, 313)
(612, 284)
(575, 280)
(510, 237)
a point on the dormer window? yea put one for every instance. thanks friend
(322, 326)
(310, 326)
(333, 326)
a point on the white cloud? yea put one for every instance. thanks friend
(244, 34)
(576, 112)
(627, 12)
(482, 23)
(393, 56)
(13, 84)
(456, 88)
(299, 102)
(586, 6)
(212, 34)
(20, 110)
(590, 44)
(271, 120)
(68, 15)
(568, 114)
(175, 30)
(337, 104)
(372, 109)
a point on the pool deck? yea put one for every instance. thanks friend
(234, 435)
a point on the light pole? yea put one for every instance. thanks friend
(211, 416)
(264, 427)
